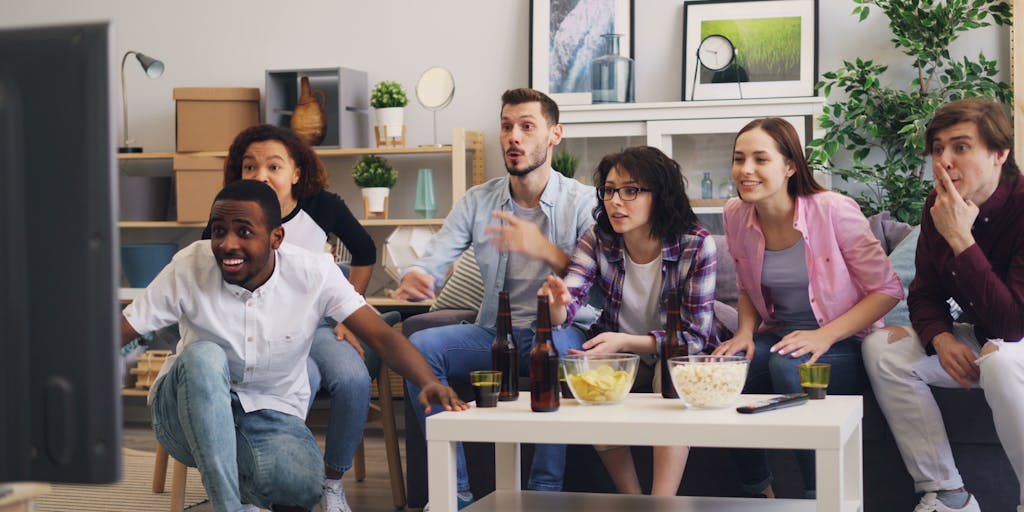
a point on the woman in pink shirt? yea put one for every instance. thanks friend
(813, 279)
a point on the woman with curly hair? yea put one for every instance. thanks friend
(309, 213)
(646, 238)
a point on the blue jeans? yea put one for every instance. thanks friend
(774, 373)
(336, 366)
(262, 457)
(453, 351)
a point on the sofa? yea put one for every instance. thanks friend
(709, 471)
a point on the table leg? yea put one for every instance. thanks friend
(507, 467)
(441, 468)
(829, 474)
(853, 475)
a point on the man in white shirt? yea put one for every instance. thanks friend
(233, 399)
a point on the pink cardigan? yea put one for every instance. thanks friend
(845, 262)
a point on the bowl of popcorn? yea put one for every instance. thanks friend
(599, 379)
(708, 382)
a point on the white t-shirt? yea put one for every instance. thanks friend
(265, 333)
(641, 290)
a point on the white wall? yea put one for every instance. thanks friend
(484, 42)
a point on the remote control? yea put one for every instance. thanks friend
(777, 402)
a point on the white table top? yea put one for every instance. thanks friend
(649, 419)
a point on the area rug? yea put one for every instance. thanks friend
(132, 494)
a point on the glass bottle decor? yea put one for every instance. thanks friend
(426, 202)
(612, 74)
(707, 187)
(726, 189)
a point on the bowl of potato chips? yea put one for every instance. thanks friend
(600, 379)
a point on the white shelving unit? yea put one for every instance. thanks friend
(697, 134)
(466, 153)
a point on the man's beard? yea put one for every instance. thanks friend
(520, 173)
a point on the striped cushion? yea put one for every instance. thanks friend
(464, 288)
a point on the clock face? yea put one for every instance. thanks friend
(715, 52)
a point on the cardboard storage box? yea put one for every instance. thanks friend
(197, 181)
(209, 118)
(347, 103)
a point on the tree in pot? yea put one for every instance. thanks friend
(375, 176)
(565, 163)
(893, 120)
(389, 100)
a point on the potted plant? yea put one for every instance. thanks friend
(880, 130)
(565, 163)
(375, 176)
(389, 100)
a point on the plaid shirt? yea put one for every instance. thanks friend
(688, 264)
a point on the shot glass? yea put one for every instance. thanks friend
(814, 379)
(486, 385)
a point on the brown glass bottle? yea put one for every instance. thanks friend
(543, 363)
(505, 352)
(672, 344)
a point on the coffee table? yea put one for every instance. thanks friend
(831, 427)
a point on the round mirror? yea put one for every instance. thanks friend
(435, 88)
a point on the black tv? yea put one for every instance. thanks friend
(60, 412)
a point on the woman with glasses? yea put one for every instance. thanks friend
(813, 280)
(646, 238)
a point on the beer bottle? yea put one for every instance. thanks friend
(505, 352)
(543, 363)
(672, 344)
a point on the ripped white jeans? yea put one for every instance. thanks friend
(900, 373)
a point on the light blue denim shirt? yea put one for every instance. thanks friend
(567, 203)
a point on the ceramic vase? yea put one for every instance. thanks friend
(426, 202)
(390, 121)
(375, 200)
(611, 74)
(308, 121)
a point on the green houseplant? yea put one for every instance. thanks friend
(879, 130)
(389, 100)
(565, 163)
(375, 176)
(388, 94)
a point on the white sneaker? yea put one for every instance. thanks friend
(930, 503)
(333, 499)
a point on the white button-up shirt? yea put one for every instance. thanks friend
(265, 333)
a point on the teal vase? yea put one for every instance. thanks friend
(426, 202)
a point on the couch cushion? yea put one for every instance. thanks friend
(726, 290)
(902, 258)
(464, 288)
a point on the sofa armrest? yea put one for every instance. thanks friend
(436, 319)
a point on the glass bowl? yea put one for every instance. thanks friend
(709, 382)
(600, 379)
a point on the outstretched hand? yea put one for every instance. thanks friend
(516, 235)
(415, 285)
(437, 393)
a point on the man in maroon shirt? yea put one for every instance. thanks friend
(971, 250)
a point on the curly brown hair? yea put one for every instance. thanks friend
(312, 172)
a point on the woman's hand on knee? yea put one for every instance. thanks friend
(798, 343)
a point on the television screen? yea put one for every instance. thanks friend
(60, 412)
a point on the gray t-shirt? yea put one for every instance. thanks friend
(784, 276)
(525, 275)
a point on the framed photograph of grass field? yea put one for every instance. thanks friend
(776, 48)
(566, 37)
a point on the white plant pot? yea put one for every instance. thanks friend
(374, 198)
(390, 120)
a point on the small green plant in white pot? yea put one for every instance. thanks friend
(375, 176)
(389, 100)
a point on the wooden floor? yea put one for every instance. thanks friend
(370, 495)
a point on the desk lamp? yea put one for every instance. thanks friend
(153, 68)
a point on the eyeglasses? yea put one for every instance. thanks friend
(625, 193)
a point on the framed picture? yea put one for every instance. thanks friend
(566, 36)
(776, 48)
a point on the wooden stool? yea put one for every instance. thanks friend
(389, 141)
(385, 413)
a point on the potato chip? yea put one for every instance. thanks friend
(600, 384)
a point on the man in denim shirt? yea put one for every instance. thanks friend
(523, 227)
